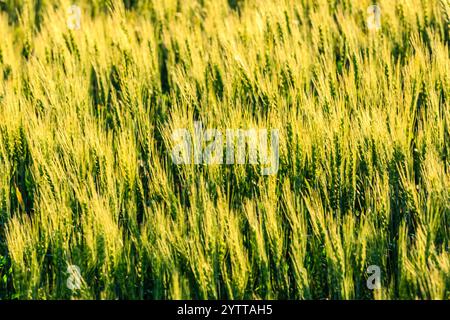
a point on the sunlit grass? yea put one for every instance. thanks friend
(87, 179)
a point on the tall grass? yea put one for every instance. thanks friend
(86, 176)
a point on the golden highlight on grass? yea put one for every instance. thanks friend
(86, 176)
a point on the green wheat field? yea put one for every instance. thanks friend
(87, 178)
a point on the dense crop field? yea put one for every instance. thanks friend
(87, 177)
